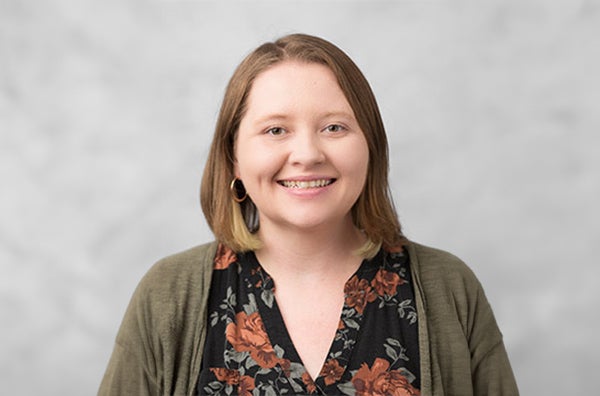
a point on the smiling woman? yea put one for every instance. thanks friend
(352, 109)
(301, 154)
(310, 286)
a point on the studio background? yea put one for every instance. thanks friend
(107, 109)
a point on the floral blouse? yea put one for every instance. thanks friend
(248, 350)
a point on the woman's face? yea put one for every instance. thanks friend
(299, 150)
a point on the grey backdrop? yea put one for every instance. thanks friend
(107, 110)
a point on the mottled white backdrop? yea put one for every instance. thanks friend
(107, 109)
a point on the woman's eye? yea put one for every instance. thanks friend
(334, 128)
(276, 131)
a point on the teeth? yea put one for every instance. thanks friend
(307, 183)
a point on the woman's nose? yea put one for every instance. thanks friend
(306, 149)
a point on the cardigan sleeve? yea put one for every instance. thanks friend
(490, 367)
(493, 374)
(132, 368)
(126, 375)
(158, 349)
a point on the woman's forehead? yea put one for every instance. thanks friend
(289, 87)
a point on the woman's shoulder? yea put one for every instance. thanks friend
(438, 268)
(187, 261)
(179, 273)
(451, 293)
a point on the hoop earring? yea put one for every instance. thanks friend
(237, 189)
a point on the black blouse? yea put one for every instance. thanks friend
(248, 350)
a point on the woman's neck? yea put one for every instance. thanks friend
(307, 253)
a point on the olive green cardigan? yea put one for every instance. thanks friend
(158, 349)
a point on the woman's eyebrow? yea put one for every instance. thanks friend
(271, 117)
(344, 114)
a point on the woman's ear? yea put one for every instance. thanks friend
(236, 170)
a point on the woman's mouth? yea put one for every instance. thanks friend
(300, 184)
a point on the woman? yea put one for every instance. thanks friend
(311, 288)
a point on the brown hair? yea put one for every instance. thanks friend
(234, 224)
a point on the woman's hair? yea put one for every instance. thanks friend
(235, 224)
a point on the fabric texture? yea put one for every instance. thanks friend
(158, 349)
(248, 349)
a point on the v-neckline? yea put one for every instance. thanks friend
(262, 286)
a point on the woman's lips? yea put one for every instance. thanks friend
(304, 184)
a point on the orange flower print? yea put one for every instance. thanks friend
(386, 282)
(246, 386)
(286, 366)
(248, 334)
(332, 371)
(308, 381)
(358, 294)
(224, 257)
(230, 377)
(378, 381)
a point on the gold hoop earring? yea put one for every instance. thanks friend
(237, 189)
